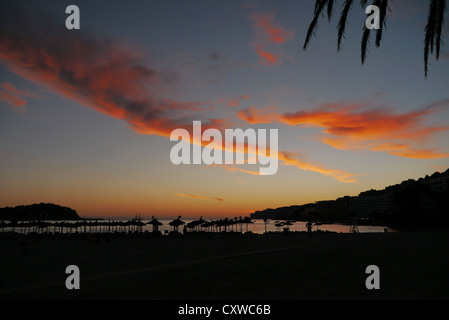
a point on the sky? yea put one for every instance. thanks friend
(86, 114)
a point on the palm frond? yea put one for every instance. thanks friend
(430, 32)
(363, 3)
(383, 5)
(319, 6)
(365, 43)
(439, 25)
(342, 23)
(330, 9)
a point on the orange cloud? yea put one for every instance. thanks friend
(235, 169)
(290, 159)
(268, 34)
(275, 34)
(12, 99)
(253, 115)
(355, 127)
(198, 197)
(342, 176)
(12, 89)
(234, 102)
(13, 96)
(266, 58)
(97, 73)
(102, 75)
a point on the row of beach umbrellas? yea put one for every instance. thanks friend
(134, 225)
(82, 226)
(212, 225)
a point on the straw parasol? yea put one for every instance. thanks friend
(247, 220)
(156, 223)
(176, 223)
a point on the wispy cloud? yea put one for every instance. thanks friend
(235, 169)
(269, 33)
(266, 58)
(294, 160)
(11, 99)
(269, 29)
(100, 74)
(11, 88)
(187, 195)
(361, 126)
(14, 97)
(233, 102)
(291, 159)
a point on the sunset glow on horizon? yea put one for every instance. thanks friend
(86, 115)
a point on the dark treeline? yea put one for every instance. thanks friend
(41, 211)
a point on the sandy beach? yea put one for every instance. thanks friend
(413, 265)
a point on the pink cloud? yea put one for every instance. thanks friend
(233, 102)
(353, 126)
(264, 24)
(102, 75)
(267, 58)
(194, 196)
(268, 34)
(11, 99)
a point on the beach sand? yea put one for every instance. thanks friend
(413, 265)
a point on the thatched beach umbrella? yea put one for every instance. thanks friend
(223, 223)
(176, 223)
(241, 222)
(227, 222)
(139, 224)
(127, 224)
(156, 223)
(208, 225)
(200, 222)
(247, 220)
(191, 225)
(218, 224)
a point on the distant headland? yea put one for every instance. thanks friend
(422, 203)
(38, 211)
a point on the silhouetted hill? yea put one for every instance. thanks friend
(41, 211)
(422, 203)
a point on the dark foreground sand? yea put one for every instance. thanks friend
(413, 265)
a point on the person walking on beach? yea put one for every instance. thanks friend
(309, 229)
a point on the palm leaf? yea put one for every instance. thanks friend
(383, 5)
(330, 8)
(363, 3)
(430, 32)
(365, 42)
(439, 25)
(319, 6)
(342, 23)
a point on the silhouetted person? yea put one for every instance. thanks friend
(309, 229)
